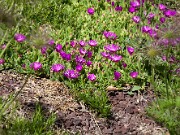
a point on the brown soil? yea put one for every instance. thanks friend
(128, 112)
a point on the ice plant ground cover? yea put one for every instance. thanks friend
(92, 45)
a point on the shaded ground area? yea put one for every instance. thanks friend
(128, 113)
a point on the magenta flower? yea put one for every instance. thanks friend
(164, 58)
(65, 55)
(115, 58)
(110, 35)
(68, 57)
(132, 9)
(57, 67)
(162, 7)
(124, 64)
(90, 11)
(146, 29)
(169, 13)
(105, 54)
(89, 54)
(19, 37)
(3, 46)
(130, 50)
(150, 16)
(23, 65)
(44, 50)
(71, 74)
(89, 63)
(134, 74)
(51, 42)
(113, 3)
(92, 42)
(153, 33)
(112, 47)
(136, 19)
(82, 43)
(82, 51)
(79, 67)
(117, 75)
(162, 19)
(73, 43)
(80, 60)
(36, 65)
(157, 26)
(118, 8)
(2, 61)
(58, 48)
(91, 77)
(135, 4)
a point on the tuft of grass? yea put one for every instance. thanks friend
(39, 124)
(167, 112)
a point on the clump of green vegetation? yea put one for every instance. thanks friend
(90, 45)
(39, 124)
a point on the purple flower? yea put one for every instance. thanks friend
(117, 75)
(89, 63)
(51, 42)
(164, 42)
(110, 35)
(134, 74)
(169, 13)
(36, 65)
(113, 3)
(82, 43)
(157, 26)
(90, 11)
(105, 54)
(3, 46)
(89, 54)
(91, 77)
(80, 60)
(71, 74)
(92, 42)
(172, 59)
(124, 64)
(65, 56)
(58, 48)
(44, 50)
(2, 61)
(118, 8)
(146, 29)
(82, 51)
(19, 37)
(23, 65)
(130, 50)
(57, 67)
(151, 16)
(73, 43)
(135, 4)
(164, 58)
(115, 58)
(79, 67)
(153, 33)
(162, 7)
(141, 1)
(162, 19)
(68, 57)
(136, 19)
(132, 9)
(112, 47)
